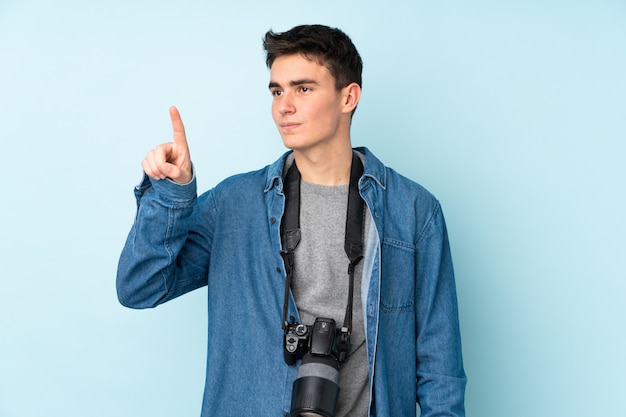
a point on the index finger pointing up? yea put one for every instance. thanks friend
(180, 138)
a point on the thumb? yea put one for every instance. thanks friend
(176, 174)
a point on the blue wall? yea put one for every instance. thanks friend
(512, 112)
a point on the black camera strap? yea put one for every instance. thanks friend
(290, 232)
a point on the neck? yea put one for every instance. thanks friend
(325, 168)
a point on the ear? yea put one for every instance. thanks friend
(350, 96)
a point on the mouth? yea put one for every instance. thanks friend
(289, 126)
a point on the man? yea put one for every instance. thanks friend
(400, 330)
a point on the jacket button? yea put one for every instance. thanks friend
(273, 220)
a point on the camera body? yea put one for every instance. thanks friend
(322, 338)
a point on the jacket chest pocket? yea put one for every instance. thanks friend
(397, 291)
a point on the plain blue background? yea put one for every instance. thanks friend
(511, 112)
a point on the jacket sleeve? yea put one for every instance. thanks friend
(167, 250)
(441, 378)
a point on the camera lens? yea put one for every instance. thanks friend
(316, 389)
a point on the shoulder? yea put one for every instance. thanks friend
(247, 184)
(409, 210)
(394, 185)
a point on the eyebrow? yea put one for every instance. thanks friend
(294, 83)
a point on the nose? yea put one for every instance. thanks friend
(285, 104)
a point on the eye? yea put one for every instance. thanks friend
(305, 89)
(276, 93)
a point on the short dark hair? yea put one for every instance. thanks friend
(329, 46)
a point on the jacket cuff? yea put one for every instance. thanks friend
(179, 195)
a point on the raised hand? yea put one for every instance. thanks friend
(170, 160)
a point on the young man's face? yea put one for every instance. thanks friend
(308, 110)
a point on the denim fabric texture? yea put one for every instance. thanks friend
(228, 239)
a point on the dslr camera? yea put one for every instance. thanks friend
(322, 348)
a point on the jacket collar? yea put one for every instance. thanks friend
(372, 168)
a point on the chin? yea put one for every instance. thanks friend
(292, 143)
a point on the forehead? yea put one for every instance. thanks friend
(288, 68)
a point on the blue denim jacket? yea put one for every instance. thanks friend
(229, 240)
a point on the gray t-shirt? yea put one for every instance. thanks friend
(320, 284)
